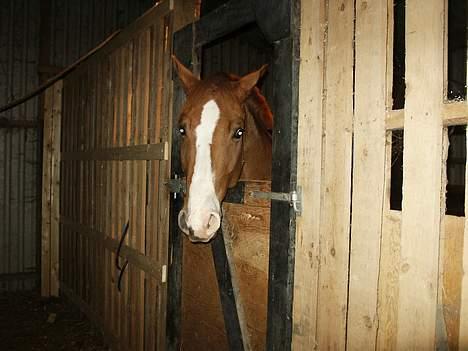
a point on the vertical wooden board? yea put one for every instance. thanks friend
(388, 283)
(463, 338)
(452, 273)
(336, 188)
(309, 173)
(421, 175)
(55, 191)
(368, 172)
(46, 192)
(246, 231)
(202, 322)
(389, 263)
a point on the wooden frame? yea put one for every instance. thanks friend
(187, 42)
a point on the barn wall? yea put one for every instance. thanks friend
(367, 276)
(19, 146)
(37, 38)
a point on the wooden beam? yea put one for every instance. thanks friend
(309, 173)
(369, 158)
(422, 175)
(136, 152)
(51, 191)
(134, 257)
(463, 337)
(226, 293)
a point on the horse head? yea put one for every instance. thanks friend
(212, 127)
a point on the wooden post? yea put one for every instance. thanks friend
(421, 175)
(309, 173)
(51, 191)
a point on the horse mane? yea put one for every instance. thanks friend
(256, 102)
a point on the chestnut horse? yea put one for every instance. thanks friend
(225, 128)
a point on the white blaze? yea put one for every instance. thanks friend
(202, 199)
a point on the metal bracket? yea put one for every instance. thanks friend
(176, 185)
(294, 198)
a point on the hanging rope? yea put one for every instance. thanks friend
(117, 256)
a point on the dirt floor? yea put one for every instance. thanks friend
(28, 322)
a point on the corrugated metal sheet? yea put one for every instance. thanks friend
(69, 29)
(19, 156)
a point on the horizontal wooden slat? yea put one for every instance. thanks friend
(137, 152)
(134, 257)
(455, 113)
(395, 119)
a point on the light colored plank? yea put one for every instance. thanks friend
(421, 174)
(463, 339)
(336, 178)
(369, 159)
(452, 273)
(309, 174)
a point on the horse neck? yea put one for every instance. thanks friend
(257, 144)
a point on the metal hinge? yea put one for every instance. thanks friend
(176, 185)
(294, 198)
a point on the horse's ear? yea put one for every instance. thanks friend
(188, 79)
(248, 82)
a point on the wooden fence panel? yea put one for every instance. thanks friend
(115, 162)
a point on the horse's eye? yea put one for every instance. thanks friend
(239, 133)
(182, 131)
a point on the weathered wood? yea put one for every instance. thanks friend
(227, 294)
(51, 191)
(368, 158)
(123, 153)
(463, 337)
(246, 234)
(336, 178)
(309, 174)
(422, 175)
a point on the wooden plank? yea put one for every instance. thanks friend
(368, 158)
(136, 152)
(309, 173)
(451, 283)
(246, 234)
(422, 175)
(227, 295)
(46, 193)
(55, 189)
(336, 188)
(463, 337)
(389, 263)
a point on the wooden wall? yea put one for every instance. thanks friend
(114, 163)
(366, 276)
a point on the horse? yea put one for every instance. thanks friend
(225, 129)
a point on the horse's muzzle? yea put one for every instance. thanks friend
(201, 228)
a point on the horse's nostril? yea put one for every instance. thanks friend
(214, 222)
(182, 219)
